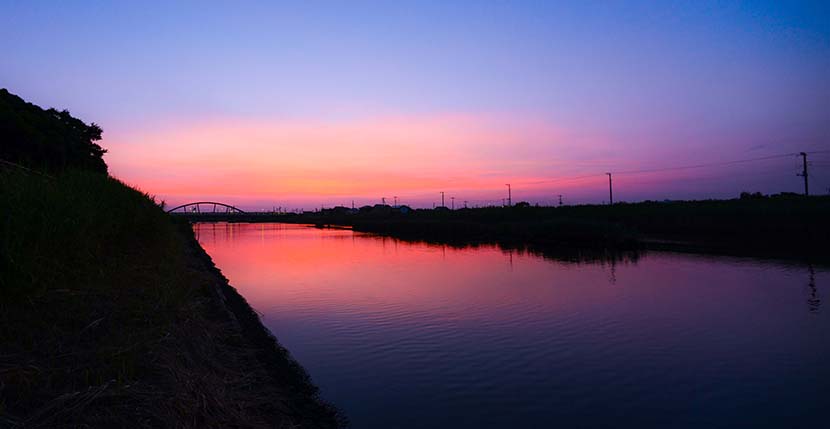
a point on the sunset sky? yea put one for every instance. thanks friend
(316, 104)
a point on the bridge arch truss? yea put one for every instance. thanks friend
(205, 207)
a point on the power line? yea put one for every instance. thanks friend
(760, 173)
(657, 170)
(821, 161)
(587, 176)
(714, 164)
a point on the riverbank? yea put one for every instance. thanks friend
(779, 226)
(111, 315)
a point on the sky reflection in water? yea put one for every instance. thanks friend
(404, 334)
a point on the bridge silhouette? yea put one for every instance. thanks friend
(215, 211)
(210, 207)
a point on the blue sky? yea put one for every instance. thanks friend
(634, 84)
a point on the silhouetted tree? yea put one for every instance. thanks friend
(752, 196)
(49, 139)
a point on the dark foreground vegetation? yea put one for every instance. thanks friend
(111, 315)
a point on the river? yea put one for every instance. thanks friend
(414, 335)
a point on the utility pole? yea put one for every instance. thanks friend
(465, 204)
(352, 204)
(610, 190)
(396, 200)
(452, 201)
(509, 196)
(383, 200)
(560, 199)
(442, 199)
(804, 173)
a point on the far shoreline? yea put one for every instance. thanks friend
(785, 227)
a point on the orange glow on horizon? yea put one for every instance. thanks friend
(294, 163)
(357, 158)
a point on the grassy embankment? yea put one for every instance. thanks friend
(111, 316)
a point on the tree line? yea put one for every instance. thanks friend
(47, 139)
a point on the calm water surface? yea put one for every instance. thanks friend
(411, 335)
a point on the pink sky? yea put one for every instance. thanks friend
(308, 163)
(295, 162)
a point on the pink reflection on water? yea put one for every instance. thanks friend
(295, 268)
(274, 264)
(445, 330)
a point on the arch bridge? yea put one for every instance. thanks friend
(206, 207)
